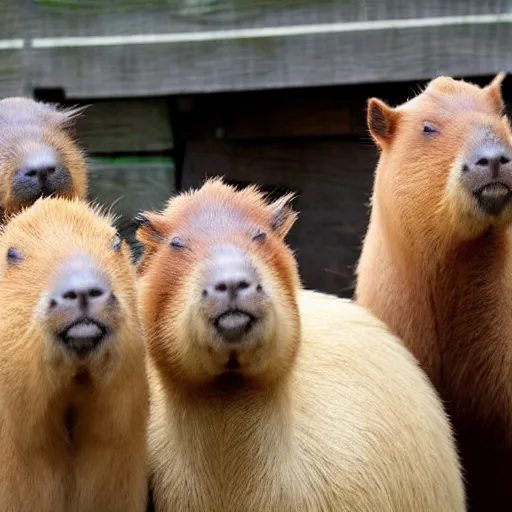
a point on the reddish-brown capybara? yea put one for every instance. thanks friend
(38, 155)
(73, 386)
(436, 264)
(268, 398)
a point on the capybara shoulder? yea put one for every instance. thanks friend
(38, 154)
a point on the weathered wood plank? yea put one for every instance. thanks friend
(10, 20)
(131, 183)
(11, 49)
(392, 54)
(295, 113)
(127, 184)
(11, 73)
(57, 18)
(120, 126)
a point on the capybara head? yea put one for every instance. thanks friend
(219, 285)
(38, 156)
(68, 297)
(446, 160)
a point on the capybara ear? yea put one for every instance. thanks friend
(382, 120)
(493, 90)
(282, 216)
(151, 230)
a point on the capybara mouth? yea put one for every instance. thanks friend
(493, 197)
(83, 335)
(234, 323)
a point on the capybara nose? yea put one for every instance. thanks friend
(40, 174)
(80, 286)
(230, 274)
(231, 287)
(487, 173)
(232, 290)
(78, 302)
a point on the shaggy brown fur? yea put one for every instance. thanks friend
(72, 429)
(326, 411)
(438, 269)
(27, 126)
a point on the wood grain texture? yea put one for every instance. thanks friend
(125, 126)
(127, 185)
(57, 18)
(11, 73)
(307, 60)
(12, 32)
(130, 184)
(223, 61)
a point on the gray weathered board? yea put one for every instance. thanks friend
(125, 126)
(127, 185)
(122, 48)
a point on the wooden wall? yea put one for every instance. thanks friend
(131, 48)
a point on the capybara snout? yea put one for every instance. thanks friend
(81, 305)
(232, 294)
(40, 173)
(487, 171)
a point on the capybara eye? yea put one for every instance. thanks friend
(116, 244)
(176, 241)
(429, 128)
(260, 235)
(13, 255)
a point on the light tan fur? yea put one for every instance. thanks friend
(338, 417)
(100, 466)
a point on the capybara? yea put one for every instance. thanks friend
(436, 264)
(266, 398)
(73, 386)
(38, 154)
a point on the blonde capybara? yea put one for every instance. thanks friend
(266, 398)
(436, 264)
(73, 386)
(38, 154)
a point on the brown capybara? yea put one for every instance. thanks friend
(73, 386)
(266, 398)
(38, 155)
(436, 264)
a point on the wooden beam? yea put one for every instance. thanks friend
(129, 184)
(156, 47)
(86, 69)
(125, 126)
